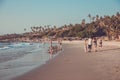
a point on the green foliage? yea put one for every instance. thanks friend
(100, 26)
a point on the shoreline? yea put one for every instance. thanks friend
(73, 63)
(21, 59)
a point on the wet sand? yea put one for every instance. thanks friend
(75, 64)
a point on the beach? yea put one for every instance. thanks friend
(74, 64)
(59, 40)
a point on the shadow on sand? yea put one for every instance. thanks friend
(109, 49)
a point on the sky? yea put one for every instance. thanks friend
(15, 15)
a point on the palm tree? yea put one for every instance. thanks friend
(83, 23)
(24, 29)
(55, 28)
(32, 28)
(89, 15)
(48, 26)
(117, 14)
(97, 17)
(37, 29)
(93, 18)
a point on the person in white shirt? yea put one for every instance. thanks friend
(89, 44)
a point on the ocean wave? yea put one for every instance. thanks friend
(4, 48)
(14, 45)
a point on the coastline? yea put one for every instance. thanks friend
(74, 63)
(20, 58)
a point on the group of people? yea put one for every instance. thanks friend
(55, 48)
(92, 43)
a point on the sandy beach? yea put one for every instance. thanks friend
(74, 64)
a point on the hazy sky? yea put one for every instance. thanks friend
(15, 15)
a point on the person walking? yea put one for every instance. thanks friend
(89, 44)
(86, 45)
(95, 44)
(100, 43)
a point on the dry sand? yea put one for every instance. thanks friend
(74, 64)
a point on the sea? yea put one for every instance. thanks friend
(19, 58)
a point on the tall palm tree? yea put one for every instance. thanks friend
(55, 28)
(39, 29)
(48, 26)
(24, 29)
(97, 17)
(32, 28)
(42, 28)
(93, 18)
(83, 23)
(117, 14)
(89, 15)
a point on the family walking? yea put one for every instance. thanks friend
(91, 43)
(55, 48)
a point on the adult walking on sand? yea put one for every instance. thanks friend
(51, 49)
(100, 43)
(89, 44)
(86, 45)
(95, 44)
(59, 44)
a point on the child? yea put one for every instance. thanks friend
(95, 44)
(100, 43)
